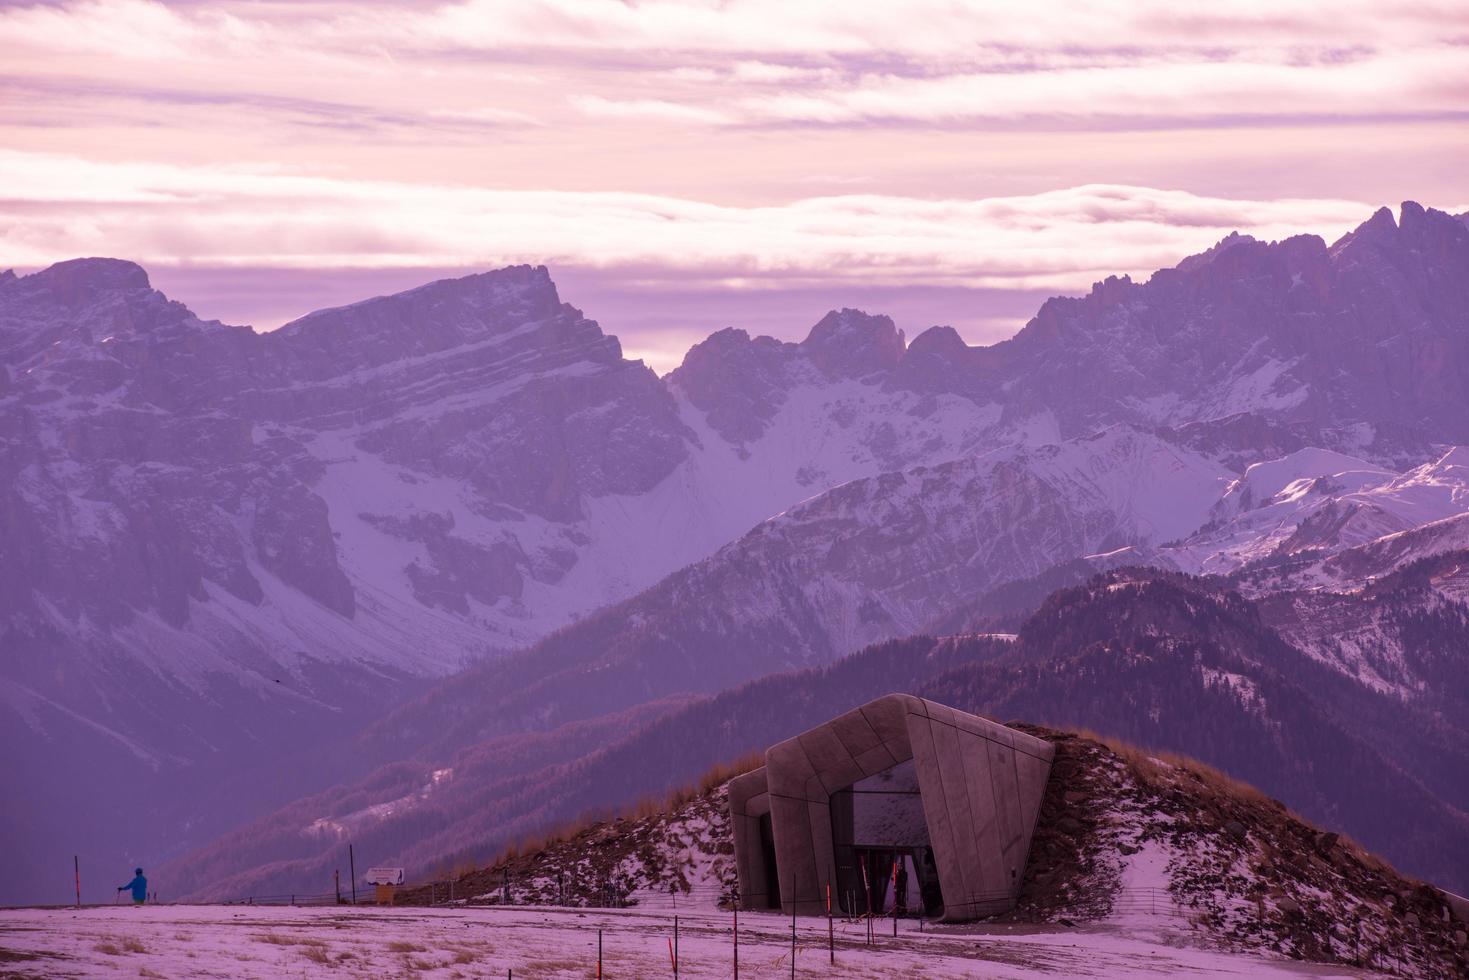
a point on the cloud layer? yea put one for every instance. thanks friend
(235, 216)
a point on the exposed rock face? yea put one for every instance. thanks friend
(1360, 345)
(212, 542)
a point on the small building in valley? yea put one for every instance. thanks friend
(901, 802)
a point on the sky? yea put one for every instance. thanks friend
(687, 166)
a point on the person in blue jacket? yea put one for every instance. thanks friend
(139, 886)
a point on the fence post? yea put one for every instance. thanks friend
(793, 939)
(352, 866)
(76, 867)
(599, 954)
(675, 945)
(895, 897)
(337, 883)
(737, 943)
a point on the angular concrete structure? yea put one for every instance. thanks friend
(900, 801)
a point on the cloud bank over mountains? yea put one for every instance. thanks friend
(720, 145)
(236, 216)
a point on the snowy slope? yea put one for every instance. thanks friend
(268, 943)
(1318, 501)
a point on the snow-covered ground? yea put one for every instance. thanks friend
(234, 941)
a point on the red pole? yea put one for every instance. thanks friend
(831, 940)
(867, 885)
(76, 867)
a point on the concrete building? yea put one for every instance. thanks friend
(901, 800)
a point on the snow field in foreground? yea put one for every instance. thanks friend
(234, 941)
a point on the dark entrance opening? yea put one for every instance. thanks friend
(880, 842)
(767, 853)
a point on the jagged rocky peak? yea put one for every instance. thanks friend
(518, 293)
(1226, 243)
(82, 304)
(82, 279)
(852, 344)
(740, 382)
(942, 341)
(444, 315)
(71, 286)
(1416, 228)
(735, 380)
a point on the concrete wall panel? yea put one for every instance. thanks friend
(856, 732)
(889, 720)
(878, 758)
(1011, 828)
(985, 809)
(960, 874)
(831, 760)
(748, 800)
(981, 785)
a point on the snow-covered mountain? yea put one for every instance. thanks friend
(217, 543)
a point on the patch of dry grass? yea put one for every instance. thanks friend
(316, 954)
(644, 809)
(402, 946)
(276, 939)
(133, 945)
(111, 949)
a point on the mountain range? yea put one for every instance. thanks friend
(239, 567)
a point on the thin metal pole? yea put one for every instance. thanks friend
(76, 867)
(793, 940)
(737, 943)
(675, 945)
(352, 865)
(599, 954)
(895, 897)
